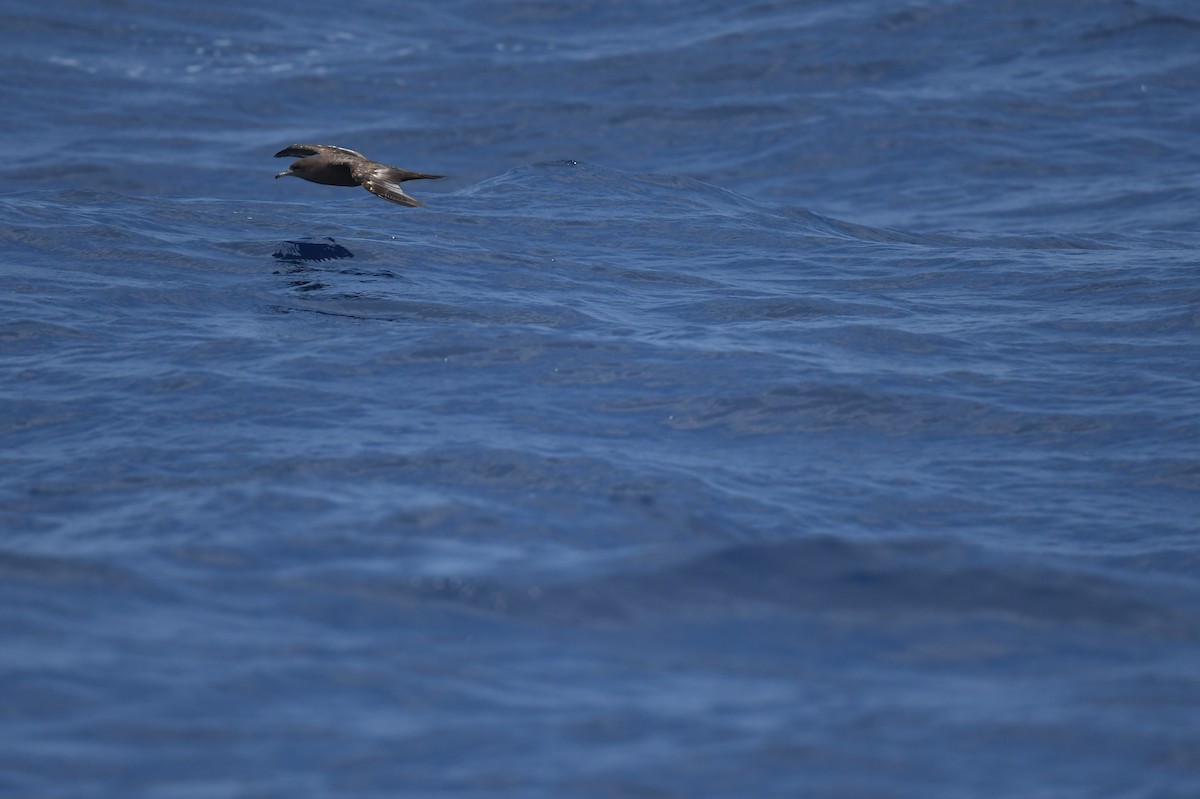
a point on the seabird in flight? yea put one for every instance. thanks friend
(337, 166)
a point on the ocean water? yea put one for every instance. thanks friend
(774, 400)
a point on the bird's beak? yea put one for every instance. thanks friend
(283, 174)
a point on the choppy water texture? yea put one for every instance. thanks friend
(777, 400)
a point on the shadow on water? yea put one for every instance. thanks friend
(297, 255)
(310, 250)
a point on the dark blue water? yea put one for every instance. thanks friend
(776, 400)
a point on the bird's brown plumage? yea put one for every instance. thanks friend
(337, 166)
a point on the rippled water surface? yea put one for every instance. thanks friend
(775, 400)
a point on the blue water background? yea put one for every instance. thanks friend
(776, 399)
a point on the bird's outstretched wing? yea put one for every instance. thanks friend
(384, 181)
(304, 150)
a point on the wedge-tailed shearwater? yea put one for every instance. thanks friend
(337, 166)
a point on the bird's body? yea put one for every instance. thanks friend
(337, 166)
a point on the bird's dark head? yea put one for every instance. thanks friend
(303, 168)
